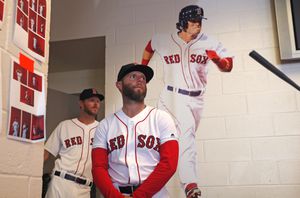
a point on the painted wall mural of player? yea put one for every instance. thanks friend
(185, 55)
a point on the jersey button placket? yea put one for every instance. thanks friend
(131, 152)
(186, 60)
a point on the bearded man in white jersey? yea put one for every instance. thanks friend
(185, 56)
(72, 141)
(135, 150)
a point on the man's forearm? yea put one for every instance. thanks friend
(100, 174)
(162, 173)
(147, 54)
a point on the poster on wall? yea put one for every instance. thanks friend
(1, 12)
(30, 27)
(27, 105)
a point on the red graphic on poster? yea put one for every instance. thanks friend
(26, 62)
(41, 26)
(42, 8)
(27, 95)
(32, 20)
(33, 4)
(35, 81)
(23, 6)
(25, 126)
(36, 43)
(15, 120)
(37, 131)
(20, 73)
(22, 19)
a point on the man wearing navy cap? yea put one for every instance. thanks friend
(135, 150)
(72, 141)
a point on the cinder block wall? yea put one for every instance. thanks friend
(249, 138)
(21, 164)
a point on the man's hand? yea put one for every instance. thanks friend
(212, 55)
(224, 64)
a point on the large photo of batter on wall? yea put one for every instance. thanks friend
(185, 55)
(30, 27)
(27, 105)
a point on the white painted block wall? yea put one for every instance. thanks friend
(249, 138)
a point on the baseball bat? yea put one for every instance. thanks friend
(256, 56)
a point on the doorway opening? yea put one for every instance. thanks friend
(74, 65)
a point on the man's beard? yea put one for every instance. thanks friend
(89, 112)
(137, 96)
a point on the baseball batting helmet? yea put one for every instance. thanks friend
(191, 13)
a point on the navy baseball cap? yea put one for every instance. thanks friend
(191, 13)
(126, 69)
(88, 93)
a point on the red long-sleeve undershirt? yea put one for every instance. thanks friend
(155, 181)
(148, 49)
(100, 174)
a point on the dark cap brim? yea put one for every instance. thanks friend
(145, 69)
(100, 96)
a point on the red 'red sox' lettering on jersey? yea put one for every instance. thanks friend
(150, 142)
(73, 141)
(193, 58)
(198, 58)
(116, 143)
(172, 59)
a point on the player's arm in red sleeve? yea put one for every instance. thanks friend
(148, 53)
(100, 174)
(224, 64)
(162, 173)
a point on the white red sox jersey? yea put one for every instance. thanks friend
(185, 64)
(72, 141)
(133, 143)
